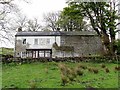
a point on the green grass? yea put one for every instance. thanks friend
(0, 75)
(47, 75)
(6, 51)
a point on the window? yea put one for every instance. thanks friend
(24, 41)
(36, 41)
(62, 41)
(18, 54)
(41, 53)
(47, 53)
(48, 41)
(23, 54)
(42, 41)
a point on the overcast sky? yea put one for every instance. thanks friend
(36, 9)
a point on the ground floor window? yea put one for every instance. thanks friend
(37, 53)
(47, 53)
(23, 54)
(29, 54)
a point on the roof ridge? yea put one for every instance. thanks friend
(54, 33)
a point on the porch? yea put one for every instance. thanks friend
(38, 53)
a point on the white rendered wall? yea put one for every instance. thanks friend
(118, 34)
(42, 41)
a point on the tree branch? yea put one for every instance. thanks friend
(117, 24)
(117, 31)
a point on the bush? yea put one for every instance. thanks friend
(90, 69)
(117, 68)
(107, 70)
(71, 77)
(64, 80)
(82, 66)
(103, 66)
(63, 68)
(95, 70)
(78, 71)
(117, 46)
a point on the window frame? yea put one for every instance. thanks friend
(35, 41)
(48, 41)
(24, 41)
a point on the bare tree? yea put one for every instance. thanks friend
(8, 10)
(9, 1)
(33, 25)
(50, 20)
(6, 1)
(21, 21)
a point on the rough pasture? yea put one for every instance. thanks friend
(50, 75)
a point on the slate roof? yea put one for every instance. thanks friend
(55, 33)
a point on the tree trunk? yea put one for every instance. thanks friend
(106, 44)
(112, 43)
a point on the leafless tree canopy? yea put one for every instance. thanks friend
(5, 1)
(51, 19)
(33, 25)
(8, 22)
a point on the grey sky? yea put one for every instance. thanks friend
(36, 9)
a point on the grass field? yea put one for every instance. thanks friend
(48, 75)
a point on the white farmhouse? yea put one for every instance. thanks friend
(56, 44)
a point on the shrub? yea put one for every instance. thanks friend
(68, 70)
(103, 66)
(71, 77)
(95, 70)
(82, 66)
(117, 68)
(71, 74)
(107, 70)
(67, 73)
(78, 71)
(63, 68)
(90, 70)
(64, 80)
(74, 73)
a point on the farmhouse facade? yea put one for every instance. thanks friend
(57, 44)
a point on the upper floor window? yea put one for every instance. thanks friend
(36, 41)
(24, 41)
(62, 41)
(44, 41)
(48, 41)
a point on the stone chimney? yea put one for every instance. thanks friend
(19, 29)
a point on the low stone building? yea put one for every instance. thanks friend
(57, 44)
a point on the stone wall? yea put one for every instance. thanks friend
(83, 45)
(20, 48)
